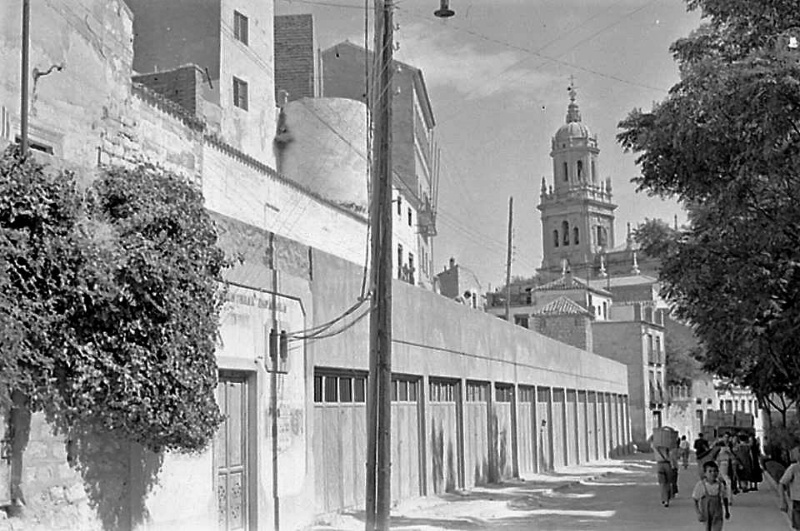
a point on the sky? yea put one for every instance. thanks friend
(497, 74)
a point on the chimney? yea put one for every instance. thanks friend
(452, 262)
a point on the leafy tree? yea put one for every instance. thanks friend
(682, 352)
(111, 296)
(655, 237)
(726, 142)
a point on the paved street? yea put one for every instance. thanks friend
(616, 495)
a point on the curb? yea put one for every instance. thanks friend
(774, 484)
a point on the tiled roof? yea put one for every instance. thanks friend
(562, 306)
(628, 280)
(569, 282)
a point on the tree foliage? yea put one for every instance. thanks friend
(111, 299)
(726, 142)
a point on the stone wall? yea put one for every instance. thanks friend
(181, 86)
(575, 330)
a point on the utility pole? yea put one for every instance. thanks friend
(23, 119)
(379, 408)
(508, 258)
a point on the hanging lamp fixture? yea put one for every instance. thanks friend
(444, 10)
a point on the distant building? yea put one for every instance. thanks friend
(459, 283)
(220, 50)
(413, 153)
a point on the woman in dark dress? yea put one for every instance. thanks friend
(755, 452)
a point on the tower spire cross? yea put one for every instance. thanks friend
(573, 93)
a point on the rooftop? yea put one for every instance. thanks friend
(562, 306)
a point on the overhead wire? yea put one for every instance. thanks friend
(527, 50)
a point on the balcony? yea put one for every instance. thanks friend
(426, 218)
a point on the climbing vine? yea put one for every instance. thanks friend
(110, 301)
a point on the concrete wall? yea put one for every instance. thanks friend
(296, 57)
(621, 341)
(438, 336)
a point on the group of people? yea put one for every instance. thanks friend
(729, 466)
(738, 457)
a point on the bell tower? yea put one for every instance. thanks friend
(576, 207)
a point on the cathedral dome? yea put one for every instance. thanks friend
(573, 129)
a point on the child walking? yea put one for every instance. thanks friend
(711, 498)
(790, 488)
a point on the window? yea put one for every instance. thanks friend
(504, 393)
(239, 93)
(575, 236)
(565, 232)
(399, 260)
(658, 349)
(399, 205)
(605, 310)
(580, 170)
(405, 389)
(411, 268)
(410, 217)
(699, 416)
(555, 238)
(332, 388)
(601, 236)
(594, 172)
(566, 173)
(240, 27)
(443, 391)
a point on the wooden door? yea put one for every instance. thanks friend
(527, 430)
(230, 454)
(476, 434)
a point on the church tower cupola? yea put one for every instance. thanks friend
(577, 212)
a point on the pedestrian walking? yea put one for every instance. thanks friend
(790, 489)
(724, 464)
(684, 446)
(701, 447)
(664, 471)
(755, 453)
(711, 498)
(744, 459)
(674, 454)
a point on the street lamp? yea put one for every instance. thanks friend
(444, 10)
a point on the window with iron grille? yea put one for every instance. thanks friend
(240, 93)
(240, 29)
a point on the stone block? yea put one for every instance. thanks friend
(56, 493)
(75, 494)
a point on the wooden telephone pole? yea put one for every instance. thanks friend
(379, 407)
(26, 43)
(508, 258)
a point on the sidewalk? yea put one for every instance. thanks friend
(615, 495)
(480, 507)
